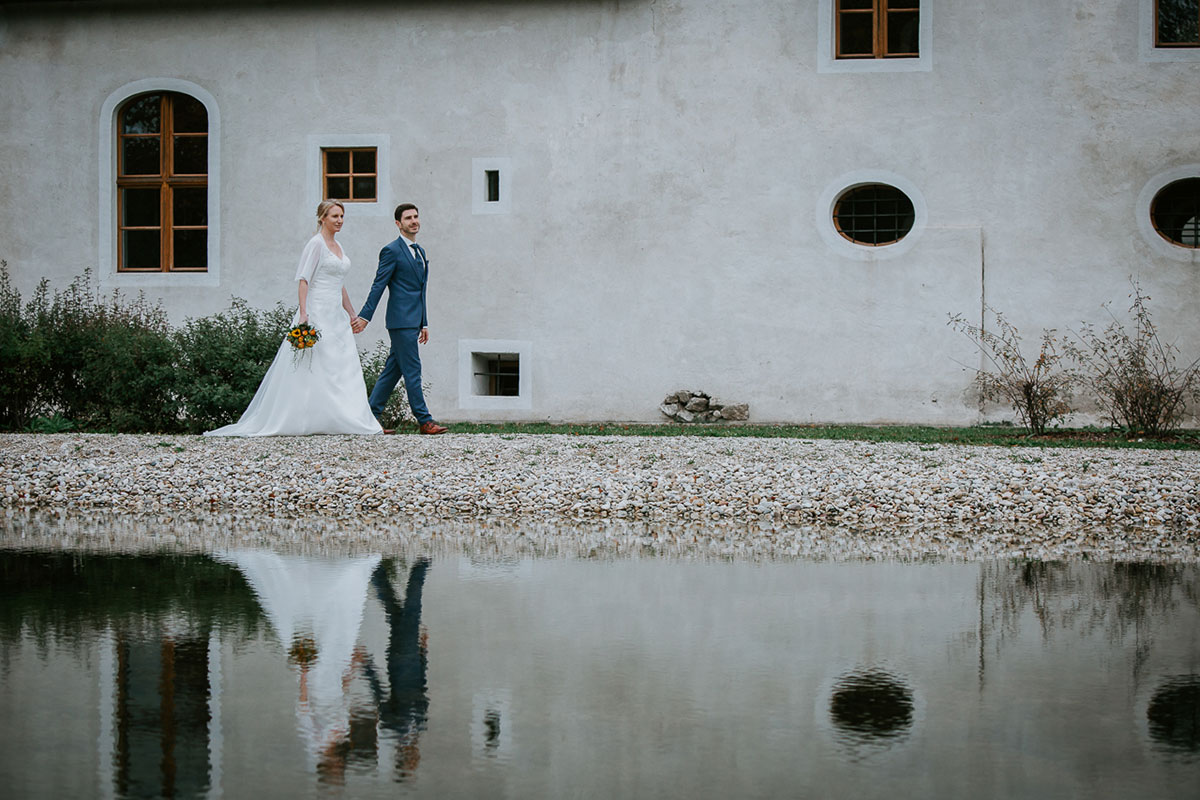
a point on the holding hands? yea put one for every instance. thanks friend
(358, 324)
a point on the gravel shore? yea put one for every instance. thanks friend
(795, 493)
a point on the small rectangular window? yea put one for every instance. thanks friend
(1177, 23)
(349, 174)
(878, 28)
(493, 186)
(497, 374)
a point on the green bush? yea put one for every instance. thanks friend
(24, 356)
(71, 359)
(222, 360)
(76, 358)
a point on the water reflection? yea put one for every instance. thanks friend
(403, 702)
(1174, 716)
(315, 606)
(871, 707)
(299, 671)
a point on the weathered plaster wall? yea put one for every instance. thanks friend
(672, 165)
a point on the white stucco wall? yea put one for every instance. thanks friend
(668, 169)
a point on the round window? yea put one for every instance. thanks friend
(1175, 212)
(873, 214)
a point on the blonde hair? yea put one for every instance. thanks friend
(324, 207)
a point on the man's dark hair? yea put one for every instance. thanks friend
(400, 209)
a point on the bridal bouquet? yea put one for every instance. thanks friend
(302, 337)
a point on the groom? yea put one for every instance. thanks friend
(403, 271)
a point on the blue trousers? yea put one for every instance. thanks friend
(402, 362)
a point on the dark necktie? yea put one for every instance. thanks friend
(419, 254)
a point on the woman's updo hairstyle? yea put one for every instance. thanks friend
(324, 207)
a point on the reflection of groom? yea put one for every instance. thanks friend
(403, 271)
(405, 707)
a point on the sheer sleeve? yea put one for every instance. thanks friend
(309, 259)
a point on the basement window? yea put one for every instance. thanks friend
(497, 374)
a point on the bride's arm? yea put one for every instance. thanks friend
(303, 300)
(346, 304)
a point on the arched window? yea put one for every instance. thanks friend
(162, 184)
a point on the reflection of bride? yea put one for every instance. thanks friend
(315, 606)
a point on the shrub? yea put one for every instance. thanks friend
(127, 376)
(222, 360)
(1134, 374)
(80, 360)
(397, 412)
(1039, 393)
(24, 357)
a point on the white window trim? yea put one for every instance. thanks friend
(1146, 49)
(109, 276)
(479, 202)
(861, 252)
(827, 47)
(383, 205)
(1145, 225)
(468, 400)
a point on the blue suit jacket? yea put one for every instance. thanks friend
(404, 277)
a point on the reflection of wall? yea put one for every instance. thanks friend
(648, 678)
(717, 680)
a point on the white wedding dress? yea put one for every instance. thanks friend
(320, 390)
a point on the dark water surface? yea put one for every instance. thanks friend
(256, 671)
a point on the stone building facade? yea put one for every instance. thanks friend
(779, 201)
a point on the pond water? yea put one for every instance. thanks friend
(262, 668)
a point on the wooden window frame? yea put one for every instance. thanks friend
(350, 175)
(881, 12)
(166, 181)
(1174, 45)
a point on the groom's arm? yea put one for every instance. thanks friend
(387, 264)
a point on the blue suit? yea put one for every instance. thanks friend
(404, 276)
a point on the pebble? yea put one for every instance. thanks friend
(757, 495)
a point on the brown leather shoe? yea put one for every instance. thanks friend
(432, 428)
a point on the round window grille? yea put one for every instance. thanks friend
(1175, 212)
(874, 215)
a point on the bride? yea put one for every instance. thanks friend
(318, 390)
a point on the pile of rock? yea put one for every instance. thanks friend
(688, 406)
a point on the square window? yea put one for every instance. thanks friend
(878, 28)
(1177, 23)
(349, 174)
(494, 375)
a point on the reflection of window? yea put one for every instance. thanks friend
(1177, 23)
(1175, 212)
(349, 175)
(874, 214)
(162, 184)
(878, 28)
